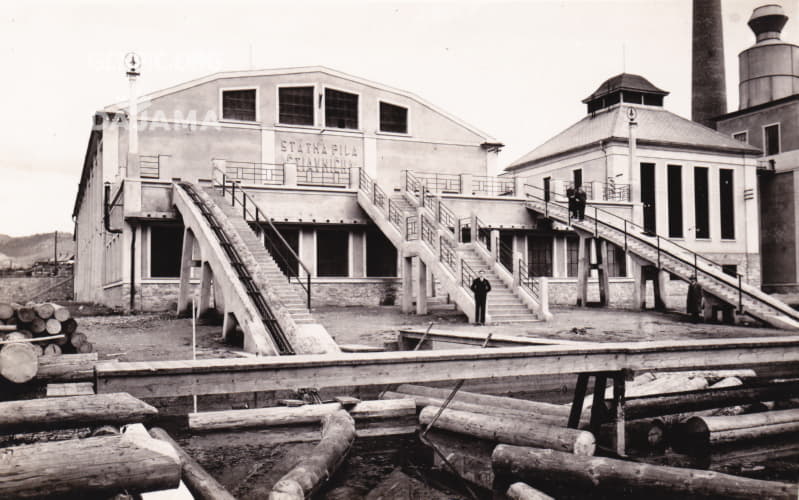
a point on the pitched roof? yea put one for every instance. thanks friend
(294, 71)
(656, 127)
(625, 81)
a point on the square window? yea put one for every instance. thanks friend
(341, 109)
(393, 118)
(238, 105)
(295, 105)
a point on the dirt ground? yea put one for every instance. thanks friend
(162, 336)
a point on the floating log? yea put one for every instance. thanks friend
(73, 411)
(699, 433)
(538, 466)
(67, 367)
(19, 362)
(531, 408)
(44, 311)
(423, 401)
(61, 313)
(645, 434)
(201, 484)
(6, 311)
(383, 409)
(8, 328)
(682, 402)
(465, 456)
(511, 430)
(69, 326)
(52, 326)
(338, 434)
(523, 491)
(259, 417)
(86, 348)
(88, 468)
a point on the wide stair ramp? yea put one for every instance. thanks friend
(273, 317)
(419, 224)
(670, 256)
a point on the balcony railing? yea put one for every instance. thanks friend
(323, 176)
(440, 183)
(492, 186)
(254, 172)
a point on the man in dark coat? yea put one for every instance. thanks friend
(580, 198)
(694, 302)
(572, 203)
(480, 286)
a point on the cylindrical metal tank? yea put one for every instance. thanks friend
(769, 70)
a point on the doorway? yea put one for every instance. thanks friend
(648, 196)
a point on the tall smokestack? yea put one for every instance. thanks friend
(708, 89)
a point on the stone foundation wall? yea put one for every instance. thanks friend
(154, 297)
(357, 293)
(564, 292)
(40, 289)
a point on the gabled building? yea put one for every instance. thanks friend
(300, 136)
(670, 176)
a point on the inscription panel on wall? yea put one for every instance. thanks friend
(319, 152)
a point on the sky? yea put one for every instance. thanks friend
(515, 70)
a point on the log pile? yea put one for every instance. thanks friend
(32, 330)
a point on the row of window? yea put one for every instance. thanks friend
(771, 139)
(540, 262)
(332, 252)
(296, 107)
(701, 202)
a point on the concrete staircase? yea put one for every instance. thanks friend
(391, 214)
(279, 285)
(502, 305)
(669, 256)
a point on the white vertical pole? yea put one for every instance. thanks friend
(194, 343)
(133, 120)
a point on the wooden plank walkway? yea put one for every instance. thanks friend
(221, 376)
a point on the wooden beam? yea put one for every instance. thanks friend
(220, 376)
(475, 339)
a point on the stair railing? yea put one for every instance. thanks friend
(287, 259)
(663, 247)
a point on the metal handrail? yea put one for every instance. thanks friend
(492, 186)
(428, 232)
(467, 275)
(440, 183)
(394, 214)
(447, 253)
(256, 215)
(505, 255)
(411, 228)
(255, 172)
(655, 243)
(528, 282)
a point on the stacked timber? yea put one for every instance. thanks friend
(546, 469)
(698, 434)
(31, 330)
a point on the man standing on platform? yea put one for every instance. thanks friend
(480, 286)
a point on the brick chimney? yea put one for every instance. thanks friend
(708, 88)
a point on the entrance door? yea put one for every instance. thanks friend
(648, 196)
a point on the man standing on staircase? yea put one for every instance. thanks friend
(480, 286)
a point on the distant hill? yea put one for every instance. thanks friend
(23, 251)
